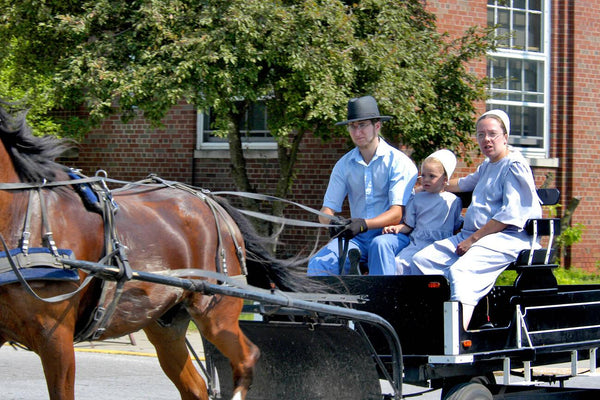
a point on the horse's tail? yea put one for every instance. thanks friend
(264, 269)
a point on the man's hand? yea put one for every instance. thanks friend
(337, 226)
(356, 226)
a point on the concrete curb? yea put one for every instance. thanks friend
(135, 344)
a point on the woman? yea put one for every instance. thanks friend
(504, 198)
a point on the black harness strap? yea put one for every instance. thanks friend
(47, 236)
(39, 259)
(343, 253)
(27, 225)
(219, 215)
(115, 255)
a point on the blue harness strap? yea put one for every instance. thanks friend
(40, 274)
(90, 198)
(38, 264)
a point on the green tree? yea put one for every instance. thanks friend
(304, 57)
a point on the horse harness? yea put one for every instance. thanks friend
(49, 259)
(217, 211)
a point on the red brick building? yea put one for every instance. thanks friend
(549, 82)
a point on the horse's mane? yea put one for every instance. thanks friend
(32, 156)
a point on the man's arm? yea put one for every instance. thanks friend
(325, 220)
(392, 216)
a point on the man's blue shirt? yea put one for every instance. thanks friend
(371, 189)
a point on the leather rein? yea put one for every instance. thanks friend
(115, 252)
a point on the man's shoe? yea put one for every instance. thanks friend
(354, 258)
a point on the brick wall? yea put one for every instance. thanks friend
(574, 98)
(575, 126)
(132, 151)
(453, 16)
(315, 161)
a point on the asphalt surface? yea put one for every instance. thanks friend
(127, 368)
(124, 368)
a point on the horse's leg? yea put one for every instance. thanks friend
(54, 345)
(58, 361)
(46, 329)
(175, 360)
(217, 318)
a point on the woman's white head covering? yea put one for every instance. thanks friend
(448, 160)
(502, 115)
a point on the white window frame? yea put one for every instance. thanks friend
(542, 152)
(267, 143)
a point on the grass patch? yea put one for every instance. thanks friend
(575, 276)
(571, 276)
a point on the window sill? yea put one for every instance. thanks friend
(224, 153)
(543, 162)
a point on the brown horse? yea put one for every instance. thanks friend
(162, 229)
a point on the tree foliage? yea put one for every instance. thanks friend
(306, 58)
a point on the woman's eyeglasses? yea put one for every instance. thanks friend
(492, 135)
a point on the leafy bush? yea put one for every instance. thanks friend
(572, 276)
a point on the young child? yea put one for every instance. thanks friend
(432, 213)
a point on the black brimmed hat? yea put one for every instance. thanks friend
(363, 108)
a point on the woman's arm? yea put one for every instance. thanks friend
(492, 226)
(452, 186)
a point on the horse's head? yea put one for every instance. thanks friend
(24, 156)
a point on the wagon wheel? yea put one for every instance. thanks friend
(455, 388)
(469, 391)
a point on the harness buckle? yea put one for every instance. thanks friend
(99, 313)
(51, 243)
(25, 242)
(99, 332)
(224, 261)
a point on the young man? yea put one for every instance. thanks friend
(378, 180)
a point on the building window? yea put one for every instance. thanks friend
(520, 70)
(253, 128)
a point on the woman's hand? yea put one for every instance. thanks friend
(492, 226)
(465, 245)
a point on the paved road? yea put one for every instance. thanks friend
(99, 376)
(126, 368)
(120, 369)
(105, 371)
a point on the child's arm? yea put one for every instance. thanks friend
(400, 228)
